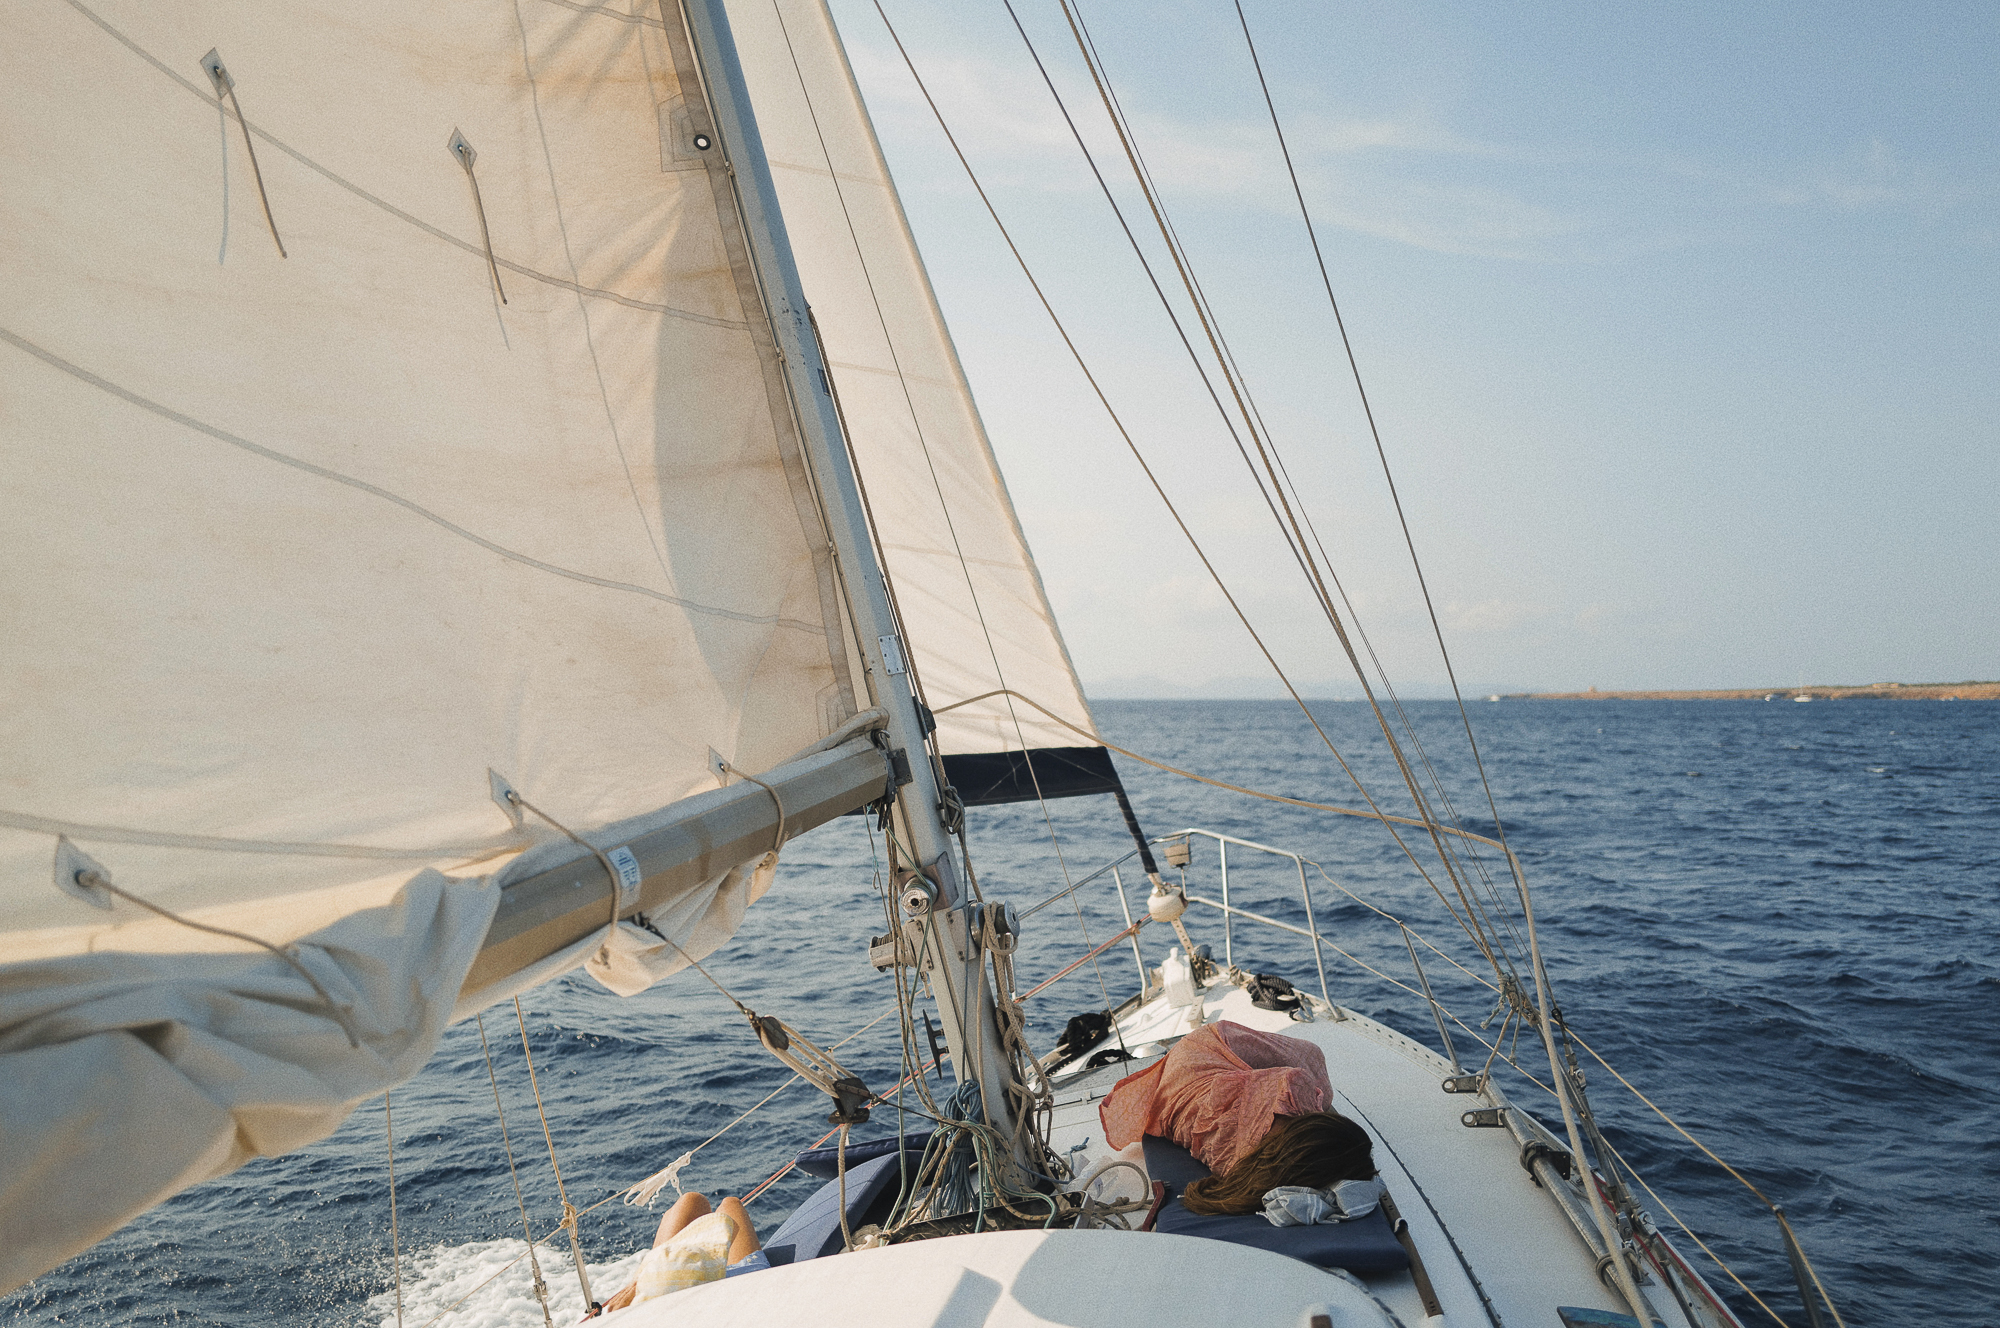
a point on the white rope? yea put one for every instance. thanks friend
(778, 842)
(642, 1193)
(570, 1215)
(840, 1171)
(395, 1236)
(507, 1144)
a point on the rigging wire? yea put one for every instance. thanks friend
(395, 1237)
(1194, 357)
(534, 1263)
(643, 1192)
(1288, 523)
(1710, 1154)
(570, 1215)
(1375, 432)
(1478, 929)
(1689, 1233)
(1159, 489)
(1254, 422)
(930, 463)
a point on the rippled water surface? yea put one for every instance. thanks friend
(1779, 921)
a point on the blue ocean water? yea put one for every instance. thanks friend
(1780, 921)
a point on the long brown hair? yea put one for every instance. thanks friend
(1316, 1149)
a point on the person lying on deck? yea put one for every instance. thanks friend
(1253, 1108)
(1319, 1167)
(695, 1244)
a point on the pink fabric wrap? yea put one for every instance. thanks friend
(1216, 1093)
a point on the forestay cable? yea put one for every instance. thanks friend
(1375, 433)
(1158, 488)
(1288, 522)
(1295, 510)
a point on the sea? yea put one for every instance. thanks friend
(1779, 921)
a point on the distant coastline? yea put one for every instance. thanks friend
(1874, 691)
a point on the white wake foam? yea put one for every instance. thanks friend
(463, 1286)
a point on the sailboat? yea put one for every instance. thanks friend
(482, 480)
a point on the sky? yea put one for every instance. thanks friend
(1677, 323)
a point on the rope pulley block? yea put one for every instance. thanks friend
(850, 1102)
(1001, 932)
(817, 1067)
(771, 1032)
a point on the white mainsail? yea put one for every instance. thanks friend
(301, 546)
(970, 597)
(445, 437)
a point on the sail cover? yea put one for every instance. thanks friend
(301, 545)
(971, 601)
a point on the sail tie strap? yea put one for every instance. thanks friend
(779, 842)
(463, 152)
(818, 1068)
(611, 872)
(225, 86)
(603, 858)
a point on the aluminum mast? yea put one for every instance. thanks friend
(966, 1008)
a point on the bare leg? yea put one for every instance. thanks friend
(685, 1210)
(745, 1242)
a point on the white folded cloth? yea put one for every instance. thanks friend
(1304, 1206)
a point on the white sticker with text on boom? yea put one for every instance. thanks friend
(628, 874)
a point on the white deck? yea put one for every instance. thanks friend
(1014, 1279)
(1505, 1233)
(1510, 1258)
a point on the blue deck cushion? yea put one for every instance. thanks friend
(1365, 1245)
(813, 1229)
(825, 1162)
